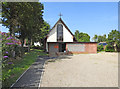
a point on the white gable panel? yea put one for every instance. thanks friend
(52, 36)
(67, 36)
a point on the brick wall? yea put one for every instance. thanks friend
(81, 47)
(91, 47)
(72, 47)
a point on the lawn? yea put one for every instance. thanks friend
(13, 71)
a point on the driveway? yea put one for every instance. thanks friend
(82, 70)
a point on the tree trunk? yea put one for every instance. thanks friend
(115, 47)
(22, 43)
(12, 32)
(22, 49)
(29, 44)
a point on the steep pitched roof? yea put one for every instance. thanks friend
(60, 20)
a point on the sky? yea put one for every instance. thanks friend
(88, 17)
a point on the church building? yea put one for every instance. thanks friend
(61, 40)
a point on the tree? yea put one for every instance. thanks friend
(23, 19)
(102, 38)
(82, 37)
(77, 34)
(99, 38)
(95, 38)
(35, 21)
(41, 33)
(10, 16)
(114, 39)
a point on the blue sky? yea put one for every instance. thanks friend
(89, 17)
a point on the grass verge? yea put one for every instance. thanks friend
(11, 73)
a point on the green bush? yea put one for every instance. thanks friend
(100, 48)
(10, 49)
(109, 48)
(19, 51)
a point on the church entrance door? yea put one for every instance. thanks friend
(62, 47)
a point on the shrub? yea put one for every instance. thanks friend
(109, 48)
(100, 48)
(10, 49)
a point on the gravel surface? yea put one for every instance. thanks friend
(82, 70)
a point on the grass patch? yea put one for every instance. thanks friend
(12, 72)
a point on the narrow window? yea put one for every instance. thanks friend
(59, 32)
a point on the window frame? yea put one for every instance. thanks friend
(60, 38)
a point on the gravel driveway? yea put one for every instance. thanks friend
(82, 70)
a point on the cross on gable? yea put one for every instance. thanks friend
(60, 15)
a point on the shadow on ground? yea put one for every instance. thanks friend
(31, 78)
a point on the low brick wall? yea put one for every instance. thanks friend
(72, 47)
(88, 47)
(91, 47)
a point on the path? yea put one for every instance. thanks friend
(31, 78)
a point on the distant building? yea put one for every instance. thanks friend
(103, 43)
